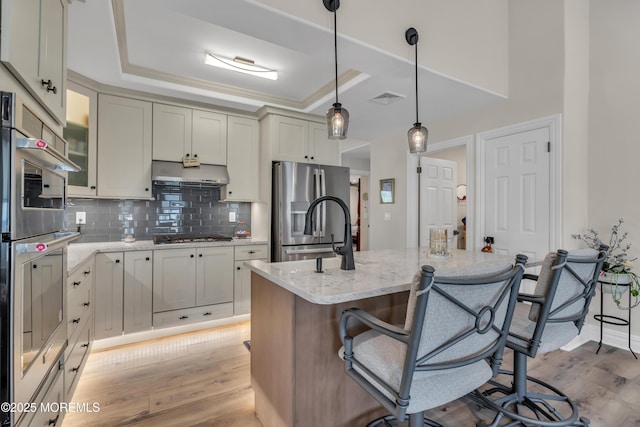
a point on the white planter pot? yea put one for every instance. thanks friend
(608, 282)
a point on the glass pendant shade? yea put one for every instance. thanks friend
(418, 135)
(337, 121)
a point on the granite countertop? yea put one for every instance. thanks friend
(79, 252)
(377, 273)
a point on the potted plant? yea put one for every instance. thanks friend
(616, 276)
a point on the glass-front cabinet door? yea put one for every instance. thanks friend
(80, 133)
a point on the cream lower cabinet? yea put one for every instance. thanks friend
(138, 291)
(48, 400)
(242, 276)
(124, 147)
(123, 290)
(80, 324)
(109, 285)
(192, 285)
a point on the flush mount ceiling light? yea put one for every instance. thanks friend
(337, 117)
(241, 65)
(418, 134)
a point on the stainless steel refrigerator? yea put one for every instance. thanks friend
(295, 186)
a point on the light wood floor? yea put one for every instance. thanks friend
(203, 379)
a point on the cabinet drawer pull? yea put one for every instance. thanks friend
(76, 320)
(54, 421)
(117, 261)
(252, 252)
(200, 255)
(85, 345)
(76, 369)
(93, 187)
(86, 304)
(183, 317)
(147, 259)
(207, 314)
(77, 283)
(86, 273)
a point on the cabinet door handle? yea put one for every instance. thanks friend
(49, 85)
(199, 255)
(252, 252)
(147, 259)
(85, 345)
(117, 261)
(76, 283)
(183, 317)
(312, 157)
(76, 369)
(306, 157)
(191, 256)
(146, 189)
(86, 273)
(86, 304)
(93, 187)
(54, 421)
(76, 320)
(207, 314)
(237, 268)
(195, 155)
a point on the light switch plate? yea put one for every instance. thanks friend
(81, 218)
(232, 216)
(387, 216)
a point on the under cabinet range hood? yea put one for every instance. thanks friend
(214, 175)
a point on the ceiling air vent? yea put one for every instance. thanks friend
(387, 98)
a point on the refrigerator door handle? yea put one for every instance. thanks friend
(317, 229)
(323, 192)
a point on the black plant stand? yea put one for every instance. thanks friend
(613, 320)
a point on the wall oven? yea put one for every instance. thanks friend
(33, 252)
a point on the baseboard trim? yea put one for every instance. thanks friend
(610, 337)
(165, 332)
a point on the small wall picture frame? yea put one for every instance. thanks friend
(387, 191)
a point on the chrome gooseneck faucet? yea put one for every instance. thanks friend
(347, 250)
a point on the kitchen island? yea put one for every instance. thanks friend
(296, 374)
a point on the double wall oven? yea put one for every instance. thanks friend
(33, 252)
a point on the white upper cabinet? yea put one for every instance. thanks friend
(124, 147)
(183, 132)
(209, 137)
(297, 140)
(243, 160)
(33, 46)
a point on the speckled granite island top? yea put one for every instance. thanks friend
(377, 273)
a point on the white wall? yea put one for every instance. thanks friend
(614, 140)
(536, 79)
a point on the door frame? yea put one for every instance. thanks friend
(554, 123)
(412, 186)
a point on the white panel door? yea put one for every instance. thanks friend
(438, 208)
(517, 201)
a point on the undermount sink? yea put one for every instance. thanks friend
(307, 265)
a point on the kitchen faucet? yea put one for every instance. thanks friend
(347, 250)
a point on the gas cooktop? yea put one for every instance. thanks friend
(160, 239)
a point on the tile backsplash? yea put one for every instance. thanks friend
(176, 209)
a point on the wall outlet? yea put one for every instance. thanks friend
(81, 218)
(232, 216)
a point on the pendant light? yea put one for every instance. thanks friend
(418, 134)
(337, 116)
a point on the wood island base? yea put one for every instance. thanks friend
(296, 374)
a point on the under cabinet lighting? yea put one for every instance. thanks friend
(241, 65)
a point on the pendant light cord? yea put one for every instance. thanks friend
(417, 121)
(335, 46)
